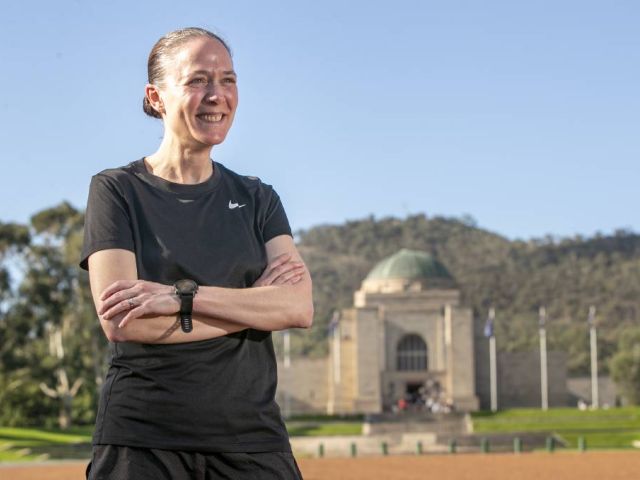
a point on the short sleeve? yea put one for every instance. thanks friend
(107, 221)
(275, 219)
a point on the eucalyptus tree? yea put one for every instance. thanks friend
(52, 350)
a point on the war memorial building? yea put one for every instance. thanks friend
(409, 341)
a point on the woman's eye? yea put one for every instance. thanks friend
(229, 80)
(198, 81)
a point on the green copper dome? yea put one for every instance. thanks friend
(412, 265)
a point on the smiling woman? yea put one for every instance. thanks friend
(196, 93)
(191, 267)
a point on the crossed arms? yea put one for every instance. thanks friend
(280, 299)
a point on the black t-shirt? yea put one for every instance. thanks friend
(213, 395)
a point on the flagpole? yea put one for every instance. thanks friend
(335, 390)
(492, 360)
(287, 366)
(336, 348)
(544, 385)
(287, 349)
(595, 400)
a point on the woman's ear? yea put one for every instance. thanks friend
(153, 97)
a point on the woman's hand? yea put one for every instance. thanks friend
(281, 271)
(137, 298)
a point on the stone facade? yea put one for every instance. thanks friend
(408, 333)
(365, 350)
(404, 332)
(303, 386)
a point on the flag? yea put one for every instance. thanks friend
(488, 326)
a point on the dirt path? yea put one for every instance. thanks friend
(529, 466)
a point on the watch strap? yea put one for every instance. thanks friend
(186, 312)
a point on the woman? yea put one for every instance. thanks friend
(173, 242)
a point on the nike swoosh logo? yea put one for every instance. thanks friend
(184, 200)
(235, 205)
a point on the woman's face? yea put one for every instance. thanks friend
(199, 93)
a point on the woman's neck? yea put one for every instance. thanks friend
(179, 164)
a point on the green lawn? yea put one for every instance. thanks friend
(309, 429)
(28, 444)
(19, 444)
(612, 428)
(602, 429)
(324, 425)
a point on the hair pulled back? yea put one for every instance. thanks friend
(163, 50)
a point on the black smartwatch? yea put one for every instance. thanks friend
(186, 290)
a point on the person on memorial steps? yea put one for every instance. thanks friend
(192, 266)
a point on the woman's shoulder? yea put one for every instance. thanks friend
(115, 181)
(122, 172)
(250, 183)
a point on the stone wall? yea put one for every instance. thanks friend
(369, 397)
(518, 375)
(580, 389)
(302, 388)
(519, 378)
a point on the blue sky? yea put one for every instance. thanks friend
(524, 115)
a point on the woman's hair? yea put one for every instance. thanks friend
(163, 50)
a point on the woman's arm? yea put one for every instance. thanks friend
(281, 300)
(271, 307)
(108, 267)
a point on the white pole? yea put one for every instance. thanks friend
(287, 366)
(334, 351)
(595, 400)
(336, 354)
(494, 382)
(287, 349)
(492, 364)
(544, 385)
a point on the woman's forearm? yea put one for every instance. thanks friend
(270, 308)
(116, 267)
(141, 311)
(221, 311)
(166, 329)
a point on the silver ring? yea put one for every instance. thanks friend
(131, 303)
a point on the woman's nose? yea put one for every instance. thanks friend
(212, 93)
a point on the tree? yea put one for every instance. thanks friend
(51, 341)
(625, 366)
(64, 306)
(63, 392)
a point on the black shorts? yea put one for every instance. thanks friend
(112, 462)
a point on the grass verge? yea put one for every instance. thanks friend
(613, 428)
(27, 444)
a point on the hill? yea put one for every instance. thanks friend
(516, 277)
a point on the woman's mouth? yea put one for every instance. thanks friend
(210, 117)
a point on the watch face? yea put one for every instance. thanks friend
(186, 286)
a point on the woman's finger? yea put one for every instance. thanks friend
(126, 289)
(292, 280)
(276, 262)
(116, 308)
(116, 287)
(280, 264)
(282, 270)
(133, 314)
(116, 299)
(287, 275)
